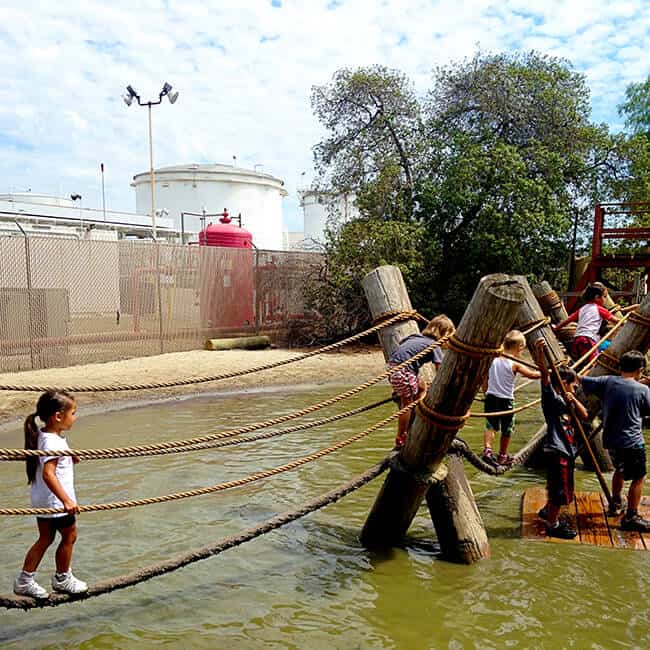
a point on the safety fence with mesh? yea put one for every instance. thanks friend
(71, 301)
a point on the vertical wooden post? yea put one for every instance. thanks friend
(553, 307)
(460, 531)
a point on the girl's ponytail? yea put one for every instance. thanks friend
(48, 404)
(31, 442)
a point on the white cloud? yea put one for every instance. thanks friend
(245, 69)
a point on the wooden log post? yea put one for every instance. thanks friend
(531, 312)
(553, 307)
(442, 412)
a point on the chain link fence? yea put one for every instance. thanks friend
(70, 301)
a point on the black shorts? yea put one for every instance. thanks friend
(59, 522)
(559, 479)
(503, 423)
(630, 461)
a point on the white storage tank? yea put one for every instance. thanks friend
(319, 209)
(213, 188)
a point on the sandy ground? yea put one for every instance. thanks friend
(347, 367)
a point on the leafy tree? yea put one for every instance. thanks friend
(372, 118)
(636, 107)
(351, 252)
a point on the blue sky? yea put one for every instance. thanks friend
(244, 69)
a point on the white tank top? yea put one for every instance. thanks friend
(501, 379)
(589, 321)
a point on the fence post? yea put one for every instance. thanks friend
(256, 291)
(159, 291)
(28, 270)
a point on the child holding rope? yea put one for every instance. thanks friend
(499, 389)
(626, 401)
(589, 318)
(405, 381)
(52, 486)
(559, 444)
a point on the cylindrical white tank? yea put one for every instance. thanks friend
(39, 199)
(320, 209)
(213, 188)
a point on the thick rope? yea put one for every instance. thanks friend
(549, 301)
(124, 452)
(117, 505)
(224, 441)
(511, 411)
(534, 325)
(440, 420)
(180, 561)
(471, 350)
(408, 315)
(532, 366)
(639, 318)
(92, 388)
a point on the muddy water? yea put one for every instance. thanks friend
(310, 584)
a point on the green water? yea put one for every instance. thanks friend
(309, 584)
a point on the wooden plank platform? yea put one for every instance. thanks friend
(588, 515)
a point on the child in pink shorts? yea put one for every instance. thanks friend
(405, 382)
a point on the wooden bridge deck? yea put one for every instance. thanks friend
(588, 516)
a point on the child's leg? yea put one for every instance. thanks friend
(35, 554)
(552, 513)
(488, 437)
(63, 555)
(617, 484)
(634, 495)
(507, 429)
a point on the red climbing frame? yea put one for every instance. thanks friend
(600, 260)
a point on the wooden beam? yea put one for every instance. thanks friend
(488, 317)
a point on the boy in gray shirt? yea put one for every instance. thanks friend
(626, 402)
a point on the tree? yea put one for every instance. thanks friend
(636, 107)
(372, 118)
(351, 251)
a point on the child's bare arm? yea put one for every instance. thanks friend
(526, 372)
(52, 482)
(578, 406)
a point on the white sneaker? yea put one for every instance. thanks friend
(31, 588)
(69, 584)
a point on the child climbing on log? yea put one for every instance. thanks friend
(406, 382)
(626, 401)
(589, 318)
(52, 486)
(499, 389)
(559, 443)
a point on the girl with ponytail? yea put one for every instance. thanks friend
(51, 480)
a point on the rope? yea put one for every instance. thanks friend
(21, 454)
(608, 361)
(218, 442)
(639, 318)
(549, 301)
(117, 505)
(533, 325)
(202, 553)
(511, 411)
(440, 420)
(532, 366)
(471, 350)
(93, 388)
(408, 314)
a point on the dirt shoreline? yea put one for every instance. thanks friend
(345, 367)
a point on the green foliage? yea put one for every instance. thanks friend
(636, 107)
(355, 249)
(497, 169)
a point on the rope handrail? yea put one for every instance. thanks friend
(511, 411)
(20, 454)
(219, 487)
(204, 552)
(407, 315)
(99, 454)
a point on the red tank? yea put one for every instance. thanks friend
(227, 293)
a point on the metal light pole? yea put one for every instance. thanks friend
(128, 98)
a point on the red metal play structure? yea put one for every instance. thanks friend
(601, 260)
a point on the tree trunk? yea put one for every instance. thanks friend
(488, 317)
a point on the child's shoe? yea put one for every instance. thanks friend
(635, 522)
(543, 513)
(29, 588)
(617, 506)
(68, 584)
(562, 530)
(504, 459)
(488, 456)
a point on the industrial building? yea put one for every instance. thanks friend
(320, 209)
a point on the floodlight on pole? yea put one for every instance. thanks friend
(128, 98)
